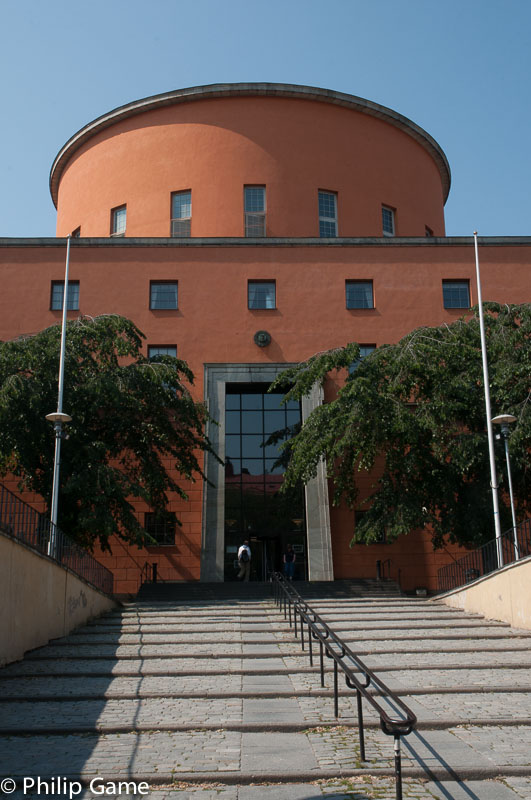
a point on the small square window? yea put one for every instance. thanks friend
(456, 294)
(162, 350)
(118, 221)
(327, 214)
(359, 294)
(181, 213)
(163, 294)
(58, 289)
(160, 527)
(261, 294)
(365, 350)
(388, 221)
(254, 201)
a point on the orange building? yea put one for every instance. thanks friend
(246, 227)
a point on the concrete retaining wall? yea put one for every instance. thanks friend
(503, 595)
(39, 600)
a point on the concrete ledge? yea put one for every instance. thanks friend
(39, 600)
(504, 595)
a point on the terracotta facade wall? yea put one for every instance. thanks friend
(214, 325)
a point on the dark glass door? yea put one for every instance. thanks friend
(256, 425)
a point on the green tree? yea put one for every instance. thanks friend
(132, 419)
(413, 414)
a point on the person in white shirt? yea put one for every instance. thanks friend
(244, 561)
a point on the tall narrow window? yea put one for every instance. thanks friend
(359, 294)
(456, 294)
(327, 214)
(118, 221)
(261, 294)
(163, 294)
(181, 213)
(254, 200)
(388, 221)
(72, 300)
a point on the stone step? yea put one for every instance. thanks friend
(265, 665)
(204, 592)
(74, 687)
(235, 756)
(262, 712)
(246, 649)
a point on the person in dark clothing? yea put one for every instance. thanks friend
(289, 562)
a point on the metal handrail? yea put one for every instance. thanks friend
(357, 674)
(513, 545)
(21, 521)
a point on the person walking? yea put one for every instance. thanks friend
(289, 562)
(244, 561)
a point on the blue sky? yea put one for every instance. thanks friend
(459, 68)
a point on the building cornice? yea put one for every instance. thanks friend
(174, 242)
(217, 90)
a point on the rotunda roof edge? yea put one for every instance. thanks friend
(192, 93)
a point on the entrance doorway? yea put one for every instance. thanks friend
(256, 426)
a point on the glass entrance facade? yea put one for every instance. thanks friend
(256, 425)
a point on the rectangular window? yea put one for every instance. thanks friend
(359, 294)
(72, 301)
(261, 294)
(365, 350)
(254, 200)
(162, 350)
(163, 294)
(118, 221)
(160, 528)
(428, 231)
(181, 213)
(76, 233)
(327, 214)
(388, 221)
(456, 294)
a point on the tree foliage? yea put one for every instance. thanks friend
(132, 419)
(413, 414)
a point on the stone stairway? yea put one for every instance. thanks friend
(212, 697)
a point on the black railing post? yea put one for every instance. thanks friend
(310, 644)
(154, 572)
(321, 660)
(398, 768)
(336, 693)
(361, 732)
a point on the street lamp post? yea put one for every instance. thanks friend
(504, 420)
(59, 417)
(493, 479)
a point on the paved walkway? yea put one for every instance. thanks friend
(206, 699)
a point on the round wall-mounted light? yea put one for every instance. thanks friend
(262, 338)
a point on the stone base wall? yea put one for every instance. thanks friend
(39, 600)
(503, 595)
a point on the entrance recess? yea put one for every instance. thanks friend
(241, 498)
(256, 426)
